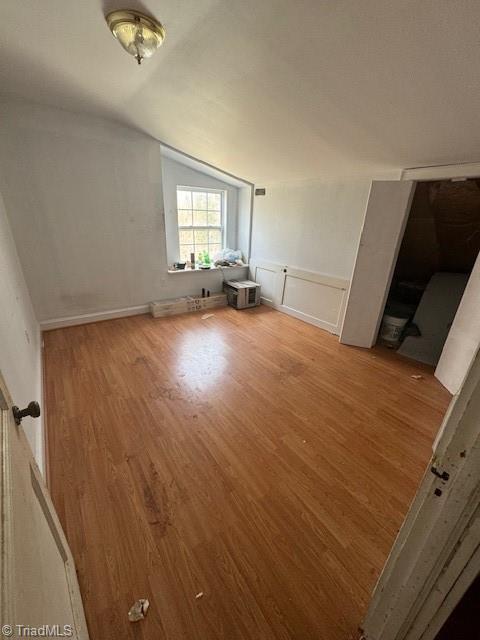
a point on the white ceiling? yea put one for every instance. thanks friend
(268, 90)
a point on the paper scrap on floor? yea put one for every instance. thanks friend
(138, 610)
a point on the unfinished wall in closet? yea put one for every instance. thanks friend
(458, 220)
(443, 230)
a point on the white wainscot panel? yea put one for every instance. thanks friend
(269, 276)
(267, 280)
(315, 299)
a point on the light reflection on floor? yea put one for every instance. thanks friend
(203, 358)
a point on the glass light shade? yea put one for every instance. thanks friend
(138, 34)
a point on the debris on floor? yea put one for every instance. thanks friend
(199, 595)
(206, 316)
(138, 611)
(416, 376)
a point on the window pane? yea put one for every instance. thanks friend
(215, 248)
(214, 218)
(185, 236)
(199, 218)
(184, 199)
(199, 200)
(214, 201)
(214, 236)
(200, 248)
(199, 209)
(185, 251)
(184, 218)
(201, 236)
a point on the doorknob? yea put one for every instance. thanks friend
(32, 410)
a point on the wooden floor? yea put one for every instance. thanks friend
(249, 456)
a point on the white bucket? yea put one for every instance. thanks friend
(392, 328)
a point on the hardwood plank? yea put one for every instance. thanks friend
(249, 456)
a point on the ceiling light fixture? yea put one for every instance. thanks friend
(138, 34)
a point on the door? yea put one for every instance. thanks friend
(39, 584)
(437, 546)
(385, 219)
(463, 340)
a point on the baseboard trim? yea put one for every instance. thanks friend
(86, 318)
(321, 324)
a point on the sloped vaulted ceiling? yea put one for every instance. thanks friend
(269, 90)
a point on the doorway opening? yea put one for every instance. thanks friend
(437, 254)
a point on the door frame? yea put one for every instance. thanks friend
(436, 554)
(442, 172)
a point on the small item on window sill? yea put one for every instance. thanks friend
(228, 258)
(208, 293)
(203, 292)
(225, 263)
(204, 261)
(138, 610)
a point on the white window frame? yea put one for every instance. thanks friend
(223, 214)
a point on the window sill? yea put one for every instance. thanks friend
(198, 270)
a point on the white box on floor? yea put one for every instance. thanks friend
(186, 304)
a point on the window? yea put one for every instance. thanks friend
(201, 220)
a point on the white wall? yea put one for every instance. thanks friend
(304, 242)
(20, 350)
(311, 225)
(244, 221)
(88, 212)
(176, 174)
(86, 209)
